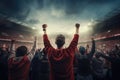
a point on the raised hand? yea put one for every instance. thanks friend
(77, 25)
(92, 38)
(44, 26)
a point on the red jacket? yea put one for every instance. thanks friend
(19, 70)
(61, 60)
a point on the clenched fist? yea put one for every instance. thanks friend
(44, 26)
(77, 25)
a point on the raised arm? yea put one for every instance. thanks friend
(12, 46)
(44, 26)
(12, 49)
(90, 55)
(77, 28)
(32, 52)
(34, 46)
(74, 42)
(45, 37)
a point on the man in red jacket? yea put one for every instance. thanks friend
(61, 59)
(19, 63)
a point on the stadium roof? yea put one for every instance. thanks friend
(110, 21)
(13, 30)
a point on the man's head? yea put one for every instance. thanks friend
(60, 40)
(82, 50)
(21, 51)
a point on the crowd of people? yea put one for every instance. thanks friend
(71, 63)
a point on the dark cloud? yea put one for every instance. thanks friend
(14, 8)
(78, 9)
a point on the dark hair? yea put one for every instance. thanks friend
(82, 50)
(60, 40)
(21, 51)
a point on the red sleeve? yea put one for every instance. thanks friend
(74, 43)
(46, 43)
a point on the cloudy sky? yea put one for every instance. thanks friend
(60, 15)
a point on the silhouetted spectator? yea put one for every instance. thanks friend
(4, 54)
(98, 67)
(40, 66)
(84, 63)
(115, 64)
(19, 64)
